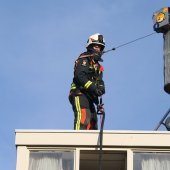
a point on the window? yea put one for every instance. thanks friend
(51, 160)
(151, 161)
(111, 160)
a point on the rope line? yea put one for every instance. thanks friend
(127, 43)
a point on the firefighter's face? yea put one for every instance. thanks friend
(97, 47)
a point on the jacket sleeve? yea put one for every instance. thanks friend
(81, 75)
(100, 82)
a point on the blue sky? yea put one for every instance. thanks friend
(39, 42)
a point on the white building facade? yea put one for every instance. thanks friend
(79, 150)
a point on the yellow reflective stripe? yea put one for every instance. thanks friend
(73, 86)
(87, 84)
(78, 113)
(77, 103)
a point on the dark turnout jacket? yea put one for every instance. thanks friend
(88, 77)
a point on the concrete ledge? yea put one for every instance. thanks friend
(91, 138)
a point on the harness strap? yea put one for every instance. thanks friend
(85, 56)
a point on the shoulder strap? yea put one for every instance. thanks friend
(85, 55)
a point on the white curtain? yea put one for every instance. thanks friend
(45, 161)
(155, 162)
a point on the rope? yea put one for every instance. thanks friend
(101, 113)
(130, 42)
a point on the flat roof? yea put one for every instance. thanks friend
(90, 138)
(89, 131)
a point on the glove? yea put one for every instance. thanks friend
(100, 86)
(99, 92)
(96, 89)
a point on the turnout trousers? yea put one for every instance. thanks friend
(85, 115)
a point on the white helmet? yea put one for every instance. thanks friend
(96, 39)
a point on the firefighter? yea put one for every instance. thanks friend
(88, 84)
